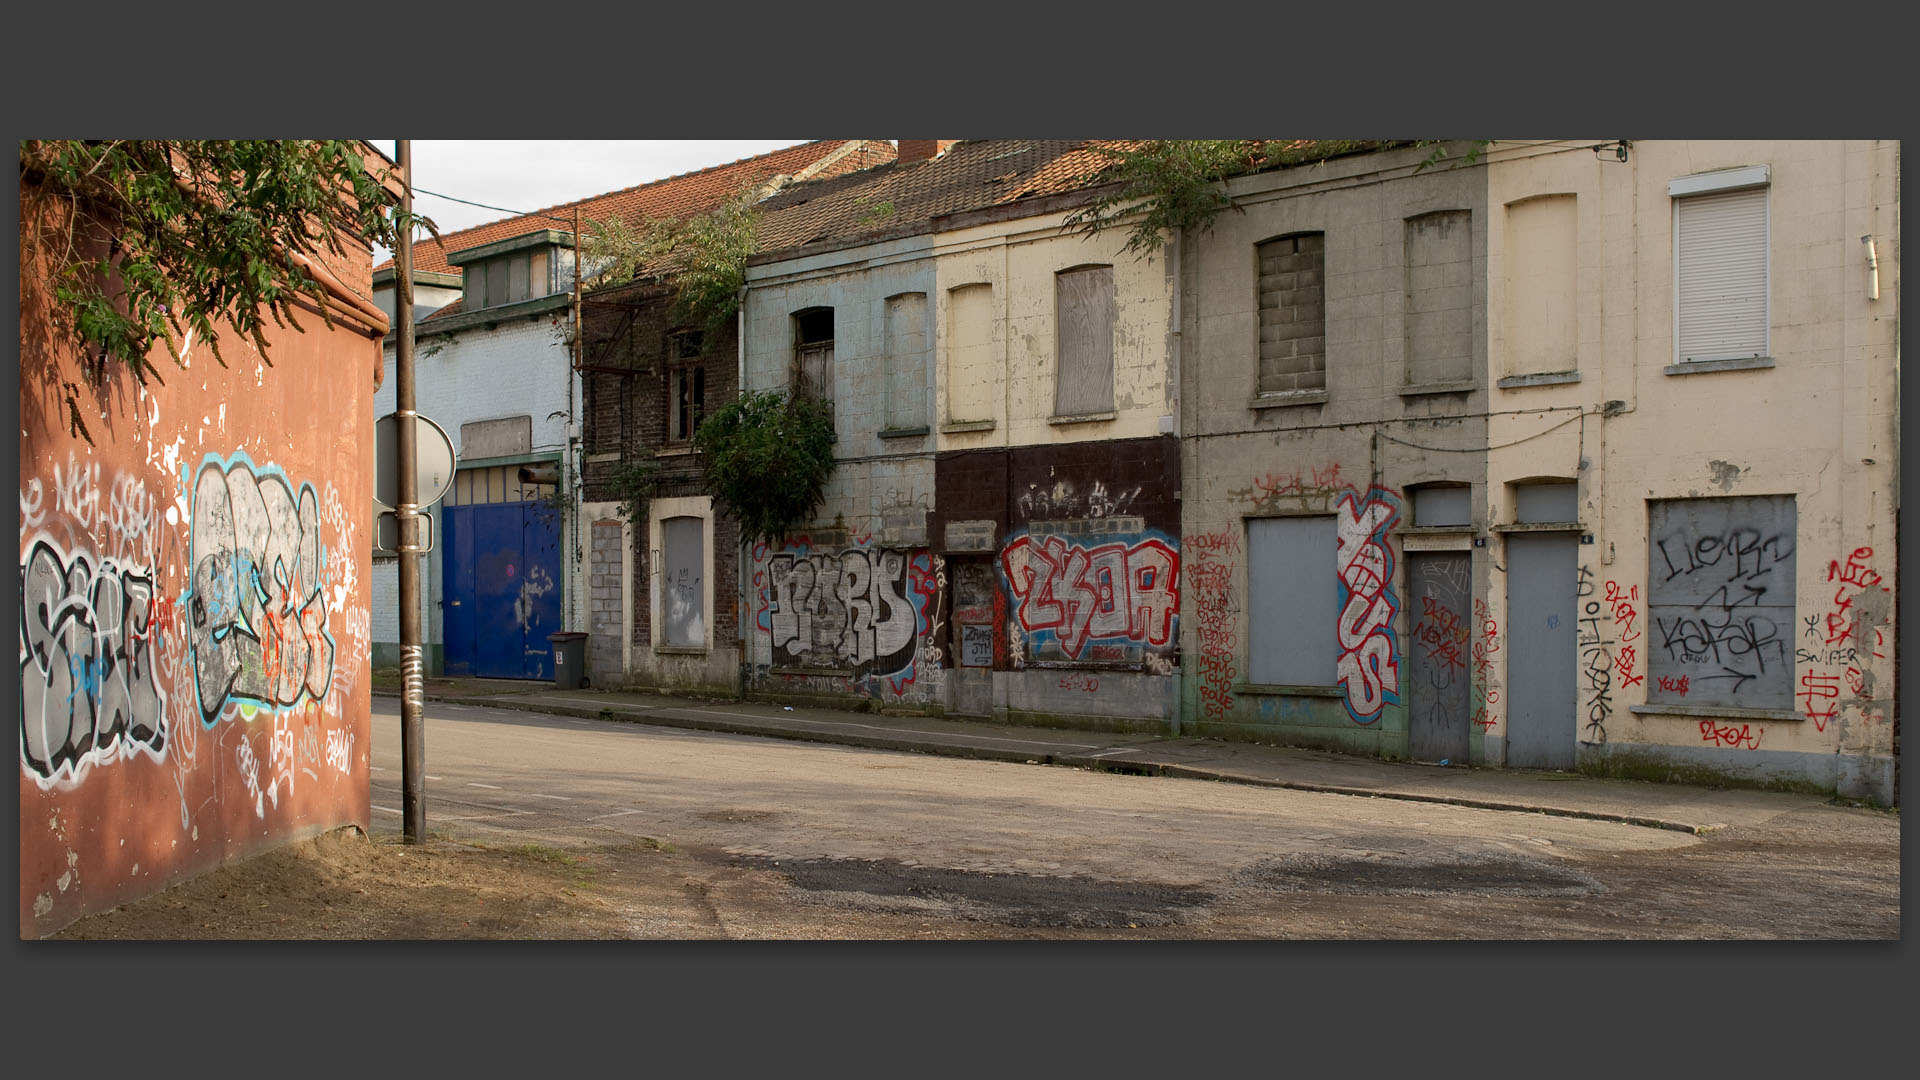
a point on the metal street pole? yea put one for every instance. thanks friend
(413, 754)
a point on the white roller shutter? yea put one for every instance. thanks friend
(1721, 275)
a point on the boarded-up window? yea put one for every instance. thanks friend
(1439, 311)
(906, 360)
(498, 484)
(1720, 601)
(682, 582)
(1293, 313)
(1541, 285)
(539, 279)
(1549, 502)
(1720, 269)
(1083, 306)
(813, 353)
(972, 364)
(1442, 506)
(1292, 601)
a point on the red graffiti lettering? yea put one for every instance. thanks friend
(1210, 582)
(1087, 593)
(1825, 688)
(1673, 685)
(1741, 737)
(1367, 667)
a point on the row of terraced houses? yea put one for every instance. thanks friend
(1560, 454)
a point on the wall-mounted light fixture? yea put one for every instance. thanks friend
(1873, 269)
(1613, 151)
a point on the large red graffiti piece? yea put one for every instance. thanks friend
(1367, 667)
(1210, 582)
(1081, 593)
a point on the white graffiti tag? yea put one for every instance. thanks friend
(87, 688)
(256, 615)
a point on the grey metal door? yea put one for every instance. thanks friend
(1440, 584)
(1542, 650)
(973, 630)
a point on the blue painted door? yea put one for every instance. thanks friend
(502, 590)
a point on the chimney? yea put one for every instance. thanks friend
(922, 149)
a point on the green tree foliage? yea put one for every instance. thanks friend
(768, 456)
(1168, 184)
(146, 241)
(703, 257)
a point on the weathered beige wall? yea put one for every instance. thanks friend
(1005, 370)
(1820, 424)
(1352, 451)
(194, 626)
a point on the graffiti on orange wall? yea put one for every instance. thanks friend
(256, 613)
(87, 687)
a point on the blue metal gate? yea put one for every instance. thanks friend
(501, 590)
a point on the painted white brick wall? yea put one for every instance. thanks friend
(517, 368)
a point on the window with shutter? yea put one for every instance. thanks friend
(1720, 276)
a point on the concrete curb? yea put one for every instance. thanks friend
(672, 716)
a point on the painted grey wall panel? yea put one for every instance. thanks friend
(1720, 601)
(1442, 506)
(1542, 658)
(1438, 712)
(1292, 601)
(683, 621)
(1540, 503)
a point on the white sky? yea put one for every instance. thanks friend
(526, 175)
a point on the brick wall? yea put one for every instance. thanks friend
(631, 353)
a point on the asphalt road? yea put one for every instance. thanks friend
(796, 839)
(495, 771)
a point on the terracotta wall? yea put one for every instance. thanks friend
(194, 621)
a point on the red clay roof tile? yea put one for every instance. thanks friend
(671, 198)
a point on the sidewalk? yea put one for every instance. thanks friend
(1680, 807)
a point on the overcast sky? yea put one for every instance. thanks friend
(531, 175)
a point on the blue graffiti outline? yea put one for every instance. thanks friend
(1360, 502)
(1036, 639)
(189, 479)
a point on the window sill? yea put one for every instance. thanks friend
(673, 451)
(843, 673)
(680, 650)
(956, 427)
(1289, 691)
(1541, 526)
(1715, 712)
(1284, 398)
(610, 455)
(1697, 367)
(1457, 386)
(1435, 530)
(903, 432)
(1542, 378)
(1082, 418)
